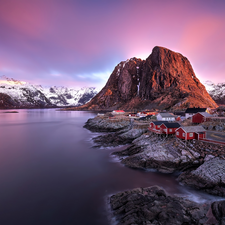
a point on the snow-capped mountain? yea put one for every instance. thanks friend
(216, 91)
(15, 93)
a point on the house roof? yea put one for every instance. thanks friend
(205, 114)
(118, 111)
(172, 125)
(195, 129)
(159, 122)
(166, 115)
(195, 110)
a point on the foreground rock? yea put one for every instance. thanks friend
(209, 177)
(153, 205)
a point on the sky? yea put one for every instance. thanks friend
(78, 43)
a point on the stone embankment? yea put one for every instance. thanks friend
(202, 166)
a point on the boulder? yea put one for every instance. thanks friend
(209, 177)
(152, 205)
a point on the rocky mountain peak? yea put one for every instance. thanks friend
(164, 80)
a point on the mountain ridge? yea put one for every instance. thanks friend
(165, 80)
(19, 94)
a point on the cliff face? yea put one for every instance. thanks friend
(164, 80)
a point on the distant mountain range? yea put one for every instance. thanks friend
(216, 91)
(19, 94)
(165, 81)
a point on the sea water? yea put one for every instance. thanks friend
(51, 175)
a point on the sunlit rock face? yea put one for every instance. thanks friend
(165, 80)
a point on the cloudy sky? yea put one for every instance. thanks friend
(78, 43)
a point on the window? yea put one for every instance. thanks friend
(170, 130)
(183, 134)
(191, 135)
(177, 133)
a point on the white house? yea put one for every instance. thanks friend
(166, 117)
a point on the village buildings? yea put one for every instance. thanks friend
(192, 111)
(118, 112)
(166, 117)
(169, 128)
(191, 132)
(201, 117)
(154, 126)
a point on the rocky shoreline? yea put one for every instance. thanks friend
(201, 166)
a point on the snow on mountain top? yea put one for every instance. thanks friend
(23, 92)
(10, 81)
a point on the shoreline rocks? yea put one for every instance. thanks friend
(202, 166)
(101, 124)
(152, 205)
(209, 177)
(163, 154)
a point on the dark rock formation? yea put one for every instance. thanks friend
(153, 205)
(6, 101)
(209, 177)
(164, 80)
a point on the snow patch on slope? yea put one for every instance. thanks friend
(24, 93)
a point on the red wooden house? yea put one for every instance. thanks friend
(201, 117)
(169, 128)
(118, 112)
(154, 126)
(190, 132)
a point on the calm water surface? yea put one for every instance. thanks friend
(51, 175)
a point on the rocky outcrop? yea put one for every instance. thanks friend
(209, 177)
(163, 154)
(122, 137)
(153, 205)
(164, 80)
(99, 124)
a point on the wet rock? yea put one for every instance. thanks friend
(218, 210)
(209, 177)
(153, 205)
(122, 137)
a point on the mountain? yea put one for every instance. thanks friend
(216, 91)
(18, 94)
(165, 80)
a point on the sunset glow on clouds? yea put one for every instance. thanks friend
(78, 43)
